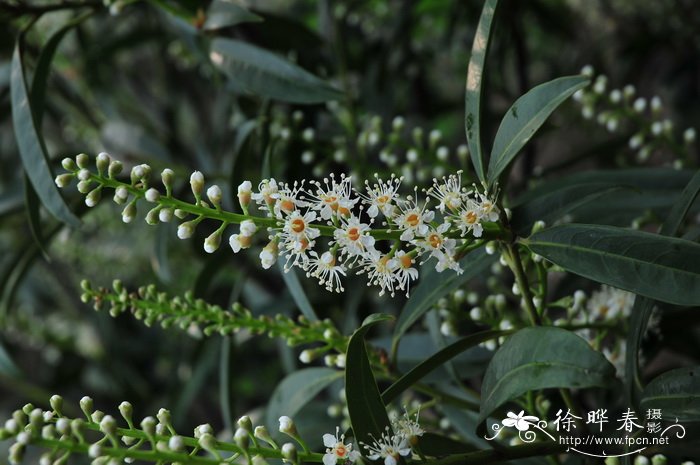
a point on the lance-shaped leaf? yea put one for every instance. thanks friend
(651, 265)
(525, 117)
(472, 97)
(223, 13)
(367, 411)
(540, 358)
(676, 393)
(263, 73)
(31, 144)
(643, 307)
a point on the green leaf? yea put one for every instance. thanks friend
(32, 202)
(31, 144)
(472, 97)
(436, 360)
(297, 390)
(676, 393)
(300, 299)
(434, 285)
(263, 73)
(222, 13)
(554, 205)
(540, 358)
(658, 267)
(128, 139)
(643, 307)
(525, 117)
(368, 415)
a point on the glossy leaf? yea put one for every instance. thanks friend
(525, 117)
(472, 97)
(367, 411)
(263, 73)
(128, 139)
(658, 267)
(436, 360)
(643, 307)
(553, 206)
(434, 285)
(297, 390)
(539, 358)
(31, 145)
(676, 393)
(222, 13)
(32, 203)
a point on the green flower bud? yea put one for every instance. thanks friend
(82, 160)
(68, 164)
(241, 438)
(126, 411)
(289, 452)
(115, 168)
(86, 404)
(102, 162)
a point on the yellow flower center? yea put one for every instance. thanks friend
(412, 219)
(298, 225)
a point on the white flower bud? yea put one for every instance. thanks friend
(165, 215)
(241, 438)
(62, 180)
(121, 193)
(185, 230)
(63, 426)
(163, 416)
(640, 104)
(515, 289)
(148, 425)
(641, 460)
(297, 116)
(268, 255)
(587, 112)
(214, 195)
(197, 183)
(261, 432)
(84, 187)
(212, 242)
(628, 91)
(182, 214)
(340, 361)
(108, 425)
(48, 416)
(689, 135)
(238, 242)
(615, 96)
(24, 438)
(600, 84)
(578, 95)
(307, 157)
(68, 164)
(86, 405)
(94, 451)
(443, 153)
(207, 441)
(475, 313)
(245, 423)
(93, 198)
(129, 213)
(447, 328)
(412, 155)
(287, 425)
(84, 174)
(126, 410)
(587, 71)
(285, 134)
(636, 141)
(655, 103)
(12, 426)
(82, 160)
(398, 123)
(102, 162)
(115, 168)
(248, 228)
(306, 356)
(289, 452)
(152, 195)
(203, 429)
(48, 432)
(612, 124)
(244, 193)
(657, 128)
(176, 444)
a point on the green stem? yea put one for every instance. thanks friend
(516, 266)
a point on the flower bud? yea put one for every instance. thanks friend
(93, 198)
(56, 403)
(398, 123)
(176, 444)
(308, 135)
(248, 228)
(244, 194)
(167, 176)
(261, 433)
(268, 255)
(16, 453)
(442, 153)
(86, 405)
(197, 184)
(36, 418)
(115, 169)
(260, 460)
(434, 137)
(689, 135)
(241, 438)
(63, 426)
(148, 425)
(659, 459)
(94, 451)
(62, 180)
(129, 212)
(165, 215)
(185, 230)
(655, 103)
(102, 162)
(289, 452)
(245, 423)
(152, 216)
(82, 160)
(126, 411)
(212, 242)
(97, 416)
(307, 356)
(68, 164)
(640, 105)
(214, 195)
(84, 186)
(24, 438)
(108, 425)
(207, 442)
(641, 460)
(587, 71)
(340, 361)
(120, 195)
(287, 426)
(203, 429)
(152, 195)
(182, 214)
(48, 432)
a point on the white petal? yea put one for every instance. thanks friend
(389, 460)
(329, 459)
(329, 440)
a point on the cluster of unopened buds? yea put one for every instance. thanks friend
(297, 215)
(99, 436)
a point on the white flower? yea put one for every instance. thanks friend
(381, 196)
(327, 271)
(353, 237)
(336, 449)
(407, 427)
(435, 244)
(470, 219)
(405, 272)
(248, 228)
(449, 192)
(381, 271)
(488, 210)
(268, 193)
(520, 421)
(389, 448)
(288, 199)
(413, 220)
(332, 197)
(298, 237)
(609, 303)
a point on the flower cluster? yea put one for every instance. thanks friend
(100, 437)
(651, 129)
(390, 447)
(296, 216)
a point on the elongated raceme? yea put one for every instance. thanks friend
(327, 228)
